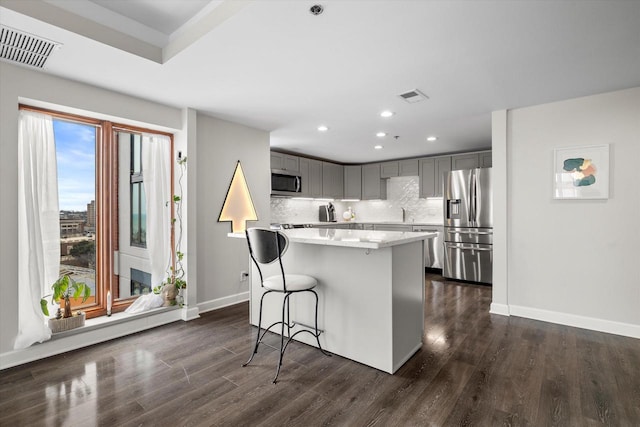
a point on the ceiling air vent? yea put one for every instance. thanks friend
(24, 48)
(413, 96)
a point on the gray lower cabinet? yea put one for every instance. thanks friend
(332, 180)
(392, 227)
(373, 186)
(336, 225)
(353, 182)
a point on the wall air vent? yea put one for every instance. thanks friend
(413, 96)
(23, 48)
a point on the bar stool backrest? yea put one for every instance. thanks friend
(266, 246)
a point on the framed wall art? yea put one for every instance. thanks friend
(581, 172)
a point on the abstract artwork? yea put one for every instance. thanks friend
(581, 172)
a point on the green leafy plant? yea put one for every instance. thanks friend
(63, 289)
(175, 270)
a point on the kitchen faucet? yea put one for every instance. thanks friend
(404, 214)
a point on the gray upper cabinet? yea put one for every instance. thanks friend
(486, 160)
(304, 177)
(471, 160)
(332, 180)
(315, 178)
(284, 161)
(311, 176)
(464, 161)
(388, 169)
(443, 165)
(432, 171)
(353, 182)
(427, 177)
(373, 186)
(408, 167)
(368, 182)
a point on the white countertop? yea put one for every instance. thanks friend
(440, 223)
(368, 239)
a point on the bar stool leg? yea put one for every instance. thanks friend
(317, 334)
(285, 304)
(255, 348)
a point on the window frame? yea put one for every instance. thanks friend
(107, 209)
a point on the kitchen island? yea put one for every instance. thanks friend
(370, 287)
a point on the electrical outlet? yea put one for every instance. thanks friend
(243, 276)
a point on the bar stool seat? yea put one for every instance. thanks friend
(265, 247)
(294, 282)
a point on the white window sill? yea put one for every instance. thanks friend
(106, 321)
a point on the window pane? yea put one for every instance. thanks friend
(143, 217)
(140, 282)
(76, 162)
(136, 141)
(135, 214)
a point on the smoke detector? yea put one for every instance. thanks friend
(413, 96)
(316, 9)
(23, 48)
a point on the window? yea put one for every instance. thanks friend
(138, 227)
(103, 230)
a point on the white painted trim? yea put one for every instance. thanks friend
(92, 335)
(190, 313)
(218, 303)
(601, 325)
(501, 309)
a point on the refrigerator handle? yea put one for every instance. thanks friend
(472, 196)
(475, 199)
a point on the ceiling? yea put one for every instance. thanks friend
(275, 66)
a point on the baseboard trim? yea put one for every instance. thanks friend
(190, 313)
(600, 325)
(84, 339)
(218, 303)
(501, 309)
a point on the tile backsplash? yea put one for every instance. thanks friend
(402, 192)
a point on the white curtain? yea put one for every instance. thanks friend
(38, 224)
(156, 181)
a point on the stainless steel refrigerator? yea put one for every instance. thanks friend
(468, 225)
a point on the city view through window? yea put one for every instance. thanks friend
(76, 162)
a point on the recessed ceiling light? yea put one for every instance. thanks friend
(323, 128)
(387, 113)
(378, 147)
(431, 138)
(381, 134)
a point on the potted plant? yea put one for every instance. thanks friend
(63, 289)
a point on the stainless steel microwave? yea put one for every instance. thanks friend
(285, 183)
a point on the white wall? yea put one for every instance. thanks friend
(212, 147)
(575, 261)
(220, 145)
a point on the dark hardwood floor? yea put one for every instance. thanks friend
(473, 369)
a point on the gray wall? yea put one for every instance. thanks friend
(575, 261)
(220, 145)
